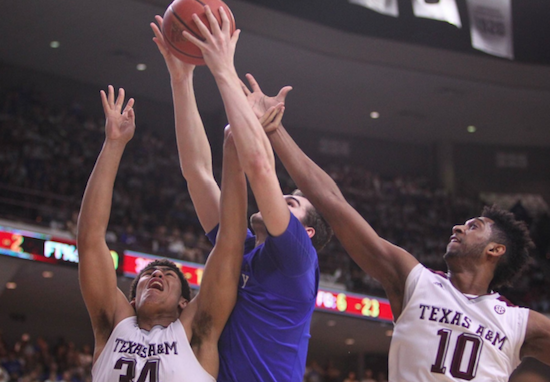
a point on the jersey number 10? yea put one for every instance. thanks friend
(469, 372)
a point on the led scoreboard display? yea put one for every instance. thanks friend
(352, 304)
(337, 302)
(46, 248)
(40, 247)
(36, 246)
(134, 262)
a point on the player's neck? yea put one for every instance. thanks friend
(470, 282)
(147, 321)
(260, 232)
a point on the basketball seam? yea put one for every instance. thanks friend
(186, 25)
(182, 52)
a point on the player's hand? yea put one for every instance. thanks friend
(259, 102)
(120, 125)
(178, 69)
(218, 47)
(272, 118)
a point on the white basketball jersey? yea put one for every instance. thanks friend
(160, 355)
(444, 335)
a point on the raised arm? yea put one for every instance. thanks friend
(193, 146)
(218, 292)
(382, 260)
(537, 338)
(255, 153)
(106, 304)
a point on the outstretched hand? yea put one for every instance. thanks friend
(259, 102)
(177, 68)
(218, 47)
(119, 124)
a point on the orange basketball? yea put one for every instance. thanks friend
(178, 18)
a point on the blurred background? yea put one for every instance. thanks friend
(422, 111)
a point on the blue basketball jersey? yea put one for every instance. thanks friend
(267, 335)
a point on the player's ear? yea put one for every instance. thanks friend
(182, 303)
(496, 249)
(310, 231)
(133, 303)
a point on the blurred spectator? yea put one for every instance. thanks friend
(368, 376)
(352, 377)
(46, 154)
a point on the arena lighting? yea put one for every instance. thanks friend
(374, 114)
(47, 274)
(11, 285)
(54, 44)
(349, 341)
(141, 67)
(471, 129)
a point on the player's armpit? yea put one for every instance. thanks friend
(537, 338)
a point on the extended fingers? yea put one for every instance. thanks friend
(129, 105)
(226, 25)
(279, 116)
(156, 30)
(205, 32)
(111, 96)
(104, 100)
(253, 83)
(214, 26)
(283, 93)
(159, 21)
(120, 99)
(270, 114)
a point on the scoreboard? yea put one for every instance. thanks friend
(54, 250)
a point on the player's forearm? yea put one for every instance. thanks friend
(222, 270)
(314, 182)
(233, 204)
(96, 203)
(254, 150)
(193, 146)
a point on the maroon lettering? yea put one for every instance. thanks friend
(446, 313)
(434, 314)
(172, 347)
(423, 307)
(456, 319)
(480, 330)
(499, 341)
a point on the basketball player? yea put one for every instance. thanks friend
(161, 334)
(267, 334)
(448, 327)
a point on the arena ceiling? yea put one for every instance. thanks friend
(422, 92)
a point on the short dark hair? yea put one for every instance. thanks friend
(323, 232)
(514, 234)
(185, 290)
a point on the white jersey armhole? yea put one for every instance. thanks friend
(410, 285)
(522, 320)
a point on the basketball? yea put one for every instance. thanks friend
(178, 18)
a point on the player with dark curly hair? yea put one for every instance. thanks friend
(448, 326)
